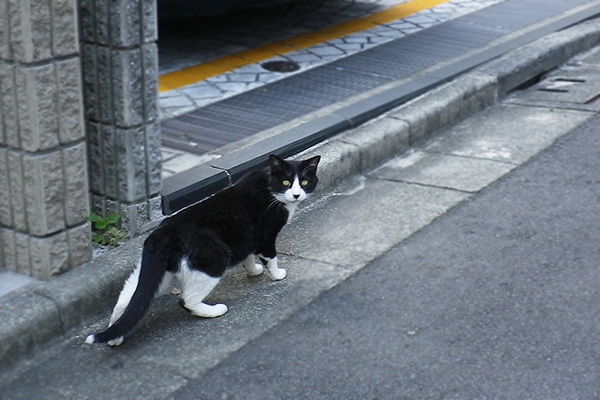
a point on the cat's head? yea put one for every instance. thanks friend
(292, 181)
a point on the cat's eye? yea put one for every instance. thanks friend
(286, 183)
(304, 182)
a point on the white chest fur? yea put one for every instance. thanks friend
(291, 207)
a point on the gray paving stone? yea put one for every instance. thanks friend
(303, 57)
(175, 99)
(181, 162)
(243, 77)
(232, 86)
(453, 172)
(19, 334)
(350, 47)
(381, 226)
(11, 281)
(200, 91)
(326, 50)
(500, 138)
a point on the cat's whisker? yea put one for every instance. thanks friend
(274, 202)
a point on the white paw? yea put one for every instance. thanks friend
(278, 274)
(207, 311)
(215, 311)
(115, 342)
(254, 271)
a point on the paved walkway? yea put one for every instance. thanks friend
(466, 268)
(497, 299)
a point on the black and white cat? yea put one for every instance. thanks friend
(196, 245)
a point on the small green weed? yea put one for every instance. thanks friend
(105, 231)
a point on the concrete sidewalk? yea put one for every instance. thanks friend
(317, 260)
(496, 299)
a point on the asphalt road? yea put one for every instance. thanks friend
(496, 299)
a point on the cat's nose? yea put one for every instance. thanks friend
(296, 196)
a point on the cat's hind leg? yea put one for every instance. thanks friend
(251, 267)
(166, 285)
(195, 286)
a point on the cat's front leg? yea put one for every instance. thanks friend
(251, 267)
(275, 272)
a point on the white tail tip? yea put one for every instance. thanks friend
(90, 339)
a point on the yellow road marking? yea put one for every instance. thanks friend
(187, 76)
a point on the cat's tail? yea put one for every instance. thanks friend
(134, 300)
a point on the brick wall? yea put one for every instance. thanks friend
(44, 197)
(120, 72)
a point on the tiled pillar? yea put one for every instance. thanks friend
(120, 75)
(44, 197)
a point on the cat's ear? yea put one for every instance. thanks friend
(276, 163)
(310, 165)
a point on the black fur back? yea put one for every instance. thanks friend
(224, 228)
(243, 219)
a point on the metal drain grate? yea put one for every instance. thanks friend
(576, 86)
